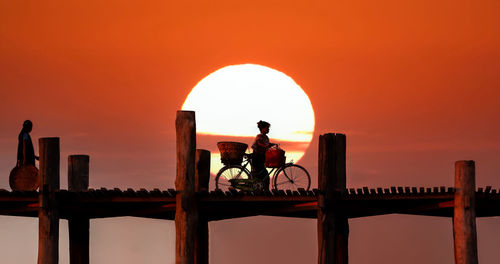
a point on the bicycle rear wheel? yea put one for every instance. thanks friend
(227, 173)
(291, 177)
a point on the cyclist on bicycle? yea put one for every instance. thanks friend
(259, 147)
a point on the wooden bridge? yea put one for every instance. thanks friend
(218, 205)
(192, 205)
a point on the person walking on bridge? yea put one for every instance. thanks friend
(25, 151)
(259, 147)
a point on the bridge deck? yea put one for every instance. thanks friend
(216, 205)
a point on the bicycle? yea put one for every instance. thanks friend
(288, 176)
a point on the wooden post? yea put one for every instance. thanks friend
(464, 215)
(333, 226)
(78, 225)
(186, 213)
(48, 214)
(202, 173)
(202, 176)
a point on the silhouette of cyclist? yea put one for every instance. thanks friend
(259, 147)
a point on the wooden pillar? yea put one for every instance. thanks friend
(186, 213)
(333, 226)
(202, 173)
(48, 214)
(78, 225)
(464, 215)
(202, 178)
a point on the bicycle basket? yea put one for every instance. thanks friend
(275, 158)
(231, 153)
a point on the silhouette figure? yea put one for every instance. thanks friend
(259, 147)
(25, 151)
(24, 176)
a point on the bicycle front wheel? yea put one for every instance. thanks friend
(227, 173)
(291, 177)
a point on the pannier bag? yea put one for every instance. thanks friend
(275, 157)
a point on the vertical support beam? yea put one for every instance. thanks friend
(78, 225)
(464, 214)
(202, 173)
(186, 212)
(333, 226)
(202, 176)
(48, 214)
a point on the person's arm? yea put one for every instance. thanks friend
(24, 152)
(261, 142)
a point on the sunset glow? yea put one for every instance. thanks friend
(231, 100)
(414, 86)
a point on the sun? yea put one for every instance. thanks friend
(230, 101)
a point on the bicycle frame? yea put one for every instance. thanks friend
(248, 184)
(236, 175)
(248, 161)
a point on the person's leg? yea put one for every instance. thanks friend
(266, 181)
(259, 170)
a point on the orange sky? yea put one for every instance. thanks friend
(413, 84)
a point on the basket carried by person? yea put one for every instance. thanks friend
(24, 178)
(275, 157)
(231, 153)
